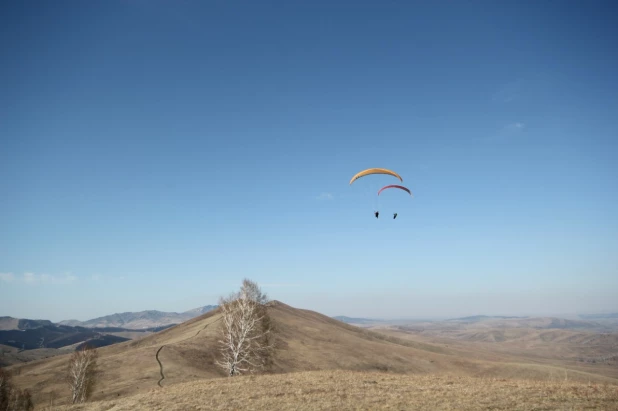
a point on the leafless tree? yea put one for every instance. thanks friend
(20, 400)
(5, 389)
(245, 333)
(252, 291)
(11, 398)
(81, 373)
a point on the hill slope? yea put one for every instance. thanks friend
(524, 322)
(306, 341)
(336, 390)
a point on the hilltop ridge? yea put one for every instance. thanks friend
(141, 319)
(305, 340)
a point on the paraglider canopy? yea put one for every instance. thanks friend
(394, 186)
(375, 171)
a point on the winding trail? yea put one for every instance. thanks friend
(160, 366)
(186, 339)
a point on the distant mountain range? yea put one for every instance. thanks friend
(58, 336)
(23, 340)
(599, 316)
(140, 320)
(26, 340)
(597, 322)
(475, 318)
(356, 320)
(10, 323)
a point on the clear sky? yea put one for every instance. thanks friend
(155, 153)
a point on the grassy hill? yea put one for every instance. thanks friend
(306, 340)
(345, 390)
(481, 321)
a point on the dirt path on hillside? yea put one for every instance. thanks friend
(187, 339)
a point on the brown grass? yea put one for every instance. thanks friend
(329, 390)
(560, 349)
(307, 341)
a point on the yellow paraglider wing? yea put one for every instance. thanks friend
(375, 171)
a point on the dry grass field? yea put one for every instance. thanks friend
(321, 362)
(349, 390)
(11, 355)
(585, 351)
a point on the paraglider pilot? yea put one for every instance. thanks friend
(394, 216)
(377, 213)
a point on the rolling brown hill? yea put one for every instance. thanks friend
(307, 341)
(528, 322)
(586, 351)
(359, 390)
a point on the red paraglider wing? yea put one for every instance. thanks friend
(394, 186)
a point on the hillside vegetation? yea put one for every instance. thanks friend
(306, 341)
(346, 390)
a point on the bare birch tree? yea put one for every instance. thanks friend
(12, 398)
(81, 373)
(5, 390)
(245, 342)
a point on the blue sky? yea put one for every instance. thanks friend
(153, 154)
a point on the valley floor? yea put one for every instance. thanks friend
(344, 390)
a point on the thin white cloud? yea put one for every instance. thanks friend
(507, 132)
(508, 92)
(35, 279)
(513, 127)
(7, 277)
(99, 277)
(280, 285)
(325, 196)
